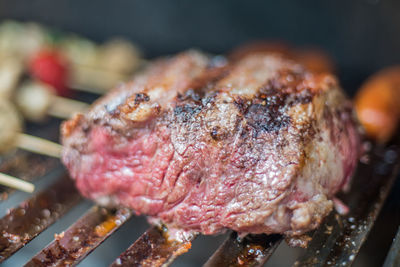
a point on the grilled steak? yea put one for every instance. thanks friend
(257, 144)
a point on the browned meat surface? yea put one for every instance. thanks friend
(313, 59)
(258, 144)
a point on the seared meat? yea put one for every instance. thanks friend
(257, 144)
(313, 59)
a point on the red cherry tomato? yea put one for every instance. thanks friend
(51, 68)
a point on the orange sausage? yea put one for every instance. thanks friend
(377, 104)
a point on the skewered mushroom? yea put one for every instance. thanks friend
(21, 40)
(10, 126)
(116, 61)
(119, 56)
(36, 100)
(11, 136)
(10, 72)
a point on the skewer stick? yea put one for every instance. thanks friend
(10, 136)
(96, 80)
(38, 145)
(64, 108)
(37, 100)
(16, 183)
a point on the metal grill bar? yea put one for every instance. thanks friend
(339, 240)
(26, 166)
(79, 240)
(25, 222)
(153, 249)
(253, 250)
(29, 166)
(322, 242)
(393, 257)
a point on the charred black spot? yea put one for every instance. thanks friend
(215, 133)
(186, 112)
(269, 107)
(86, 128)
(303, 98)
(209, 98)
(241, 104)
(141, 97)
(269, 90)
(190, 95)
(266, 118)
(288, 85)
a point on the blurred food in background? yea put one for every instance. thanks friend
(38, 63)
(378, 104)
(39, 68)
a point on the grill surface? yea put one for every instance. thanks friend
(336, 242)
(251, 251)
(393, 257)
(70, 247)
(153, 249)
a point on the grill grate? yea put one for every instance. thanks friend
(253, 250)
(153, 249)
(336, 242)
(25, 222)
(70, 247)
(393, 257)
(339, 240)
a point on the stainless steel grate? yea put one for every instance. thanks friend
(336, 242)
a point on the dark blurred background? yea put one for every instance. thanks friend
(362, 36)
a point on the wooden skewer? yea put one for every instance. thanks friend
(32, 144)
(16, 183)
(94, 80)
(64, 108)
(38, 145)
(97, 80)
(10, 124)
(118, 59)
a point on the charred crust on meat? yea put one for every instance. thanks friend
(133, 102)
(209, 99)
(69, 126)
(267, 111)
(185, 112)
(141, 97)
(211, 75)
(264, 118)
(241, 104)
(217, 133)
(190, 95)
(288, 82)
(139, 108)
